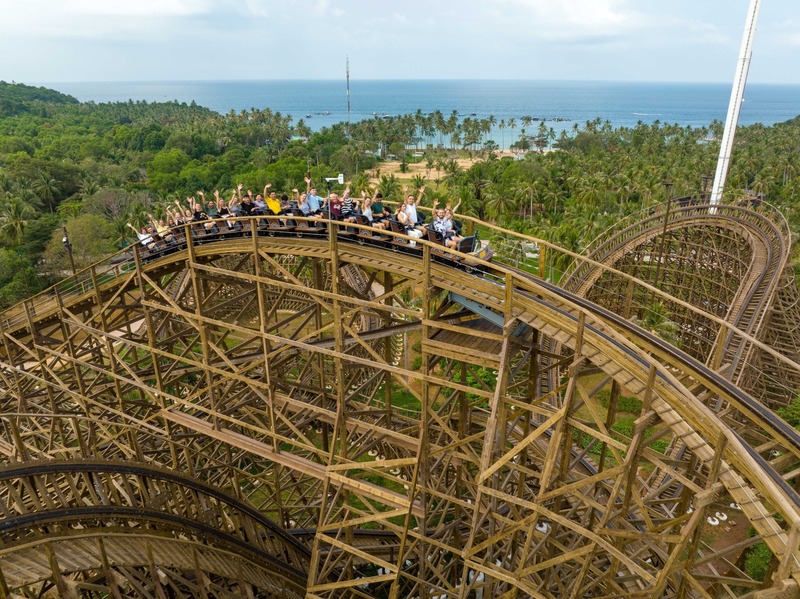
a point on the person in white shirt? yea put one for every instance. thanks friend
(145, 236)
(366, 211)
(443, 225)
(410, 210)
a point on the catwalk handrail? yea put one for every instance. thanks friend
(765, 210)
(122, 264)
(336, 224)
(621, 333)
(772, 228)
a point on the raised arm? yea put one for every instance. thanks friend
(239, 190)
(420, 194)
(308, 184)
(267, 186)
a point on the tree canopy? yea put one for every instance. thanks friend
(99, 166)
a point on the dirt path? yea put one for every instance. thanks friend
(392, 167)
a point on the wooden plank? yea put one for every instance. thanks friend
(463, 354)
(307, 467)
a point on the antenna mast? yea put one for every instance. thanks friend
(737, 93)
(348, 96)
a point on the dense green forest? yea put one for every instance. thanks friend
(92, 168)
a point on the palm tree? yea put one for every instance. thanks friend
(451, 126)
(302, 129)
(429, 163)
(121, 232)
(417, 182)
(89, 187)
(441, 164)
(14, 215)
(389, 186)
(453, 171)
(419, 122)
(524, 192)
(47, 189)
(498, 204)
(27, 195)
(360, 183)
(489, 123)
(6, 184)
(542, 137)
(438, 124)
(657, 322)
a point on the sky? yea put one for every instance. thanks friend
(607, 40)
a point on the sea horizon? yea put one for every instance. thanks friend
(353, 79)
(561, 104)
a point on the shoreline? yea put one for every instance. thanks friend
(392, 167)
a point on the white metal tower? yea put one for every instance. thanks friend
(737, 93)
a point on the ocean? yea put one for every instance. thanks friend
(562, 104)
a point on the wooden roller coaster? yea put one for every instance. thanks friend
(288, 408)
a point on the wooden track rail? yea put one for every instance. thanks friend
(261, 412)
(669, 246)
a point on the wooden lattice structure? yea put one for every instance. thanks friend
(276, 411)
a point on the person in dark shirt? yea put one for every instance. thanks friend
(333, 205)
(210, 205)
(246, 207)
(349, 207)
(378, 211)
(198, 213)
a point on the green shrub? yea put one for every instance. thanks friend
(627, 404)
(791, 413)
(756, 562)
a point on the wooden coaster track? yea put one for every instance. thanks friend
(232, 417)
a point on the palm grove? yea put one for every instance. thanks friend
(92, 168)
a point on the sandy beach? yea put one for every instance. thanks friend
(420, 168)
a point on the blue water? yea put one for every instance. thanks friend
(622, 104)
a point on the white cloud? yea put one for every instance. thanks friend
(323, 9)
(139, 8)
(135, 39)
(707, 33)
(787, 32)
(575, 19)
(97, 19)
(257, 8)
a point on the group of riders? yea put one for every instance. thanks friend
(369, 211)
